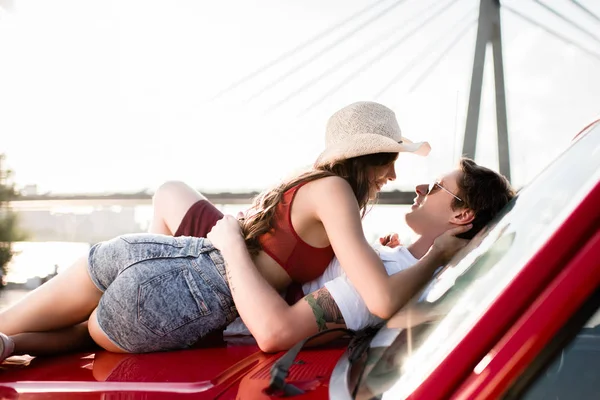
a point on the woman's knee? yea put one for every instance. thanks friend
(171, 201)
(176, 192)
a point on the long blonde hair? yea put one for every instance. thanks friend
(356, 171)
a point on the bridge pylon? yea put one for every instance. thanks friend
(488, 31)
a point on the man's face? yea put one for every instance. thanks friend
(431, 214)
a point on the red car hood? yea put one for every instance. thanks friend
(226, 371)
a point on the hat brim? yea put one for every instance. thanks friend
(419, 148)
(370, 144)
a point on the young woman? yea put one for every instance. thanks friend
(149, 292)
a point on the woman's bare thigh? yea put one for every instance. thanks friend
(170, 203)
(100, 337)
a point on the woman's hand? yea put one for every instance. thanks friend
(226, 233)
(447, 244)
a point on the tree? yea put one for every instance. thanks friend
(9, 232)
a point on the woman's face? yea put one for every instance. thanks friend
(379, 177)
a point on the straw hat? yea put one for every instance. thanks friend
(365, 128)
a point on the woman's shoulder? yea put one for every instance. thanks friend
(329, 183)
(330, 190)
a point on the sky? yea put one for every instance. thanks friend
(107, 96)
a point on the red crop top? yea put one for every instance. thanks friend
(302, 262)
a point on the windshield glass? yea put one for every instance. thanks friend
(417, 339)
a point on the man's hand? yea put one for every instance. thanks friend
(390, 240)
(447, 244)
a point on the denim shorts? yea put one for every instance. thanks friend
(160, 292)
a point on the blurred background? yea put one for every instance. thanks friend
(102, 101)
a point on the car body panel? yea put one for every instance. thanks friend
(228, 371)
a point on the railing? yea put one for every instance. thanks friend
(143, 198)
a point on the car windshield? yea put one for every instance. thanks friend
(416, 340)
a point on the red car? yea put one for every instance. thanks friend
(515, 315)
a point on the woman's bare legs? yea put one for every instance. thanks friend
(33, 323)
(64, 340)
(52, 318)
(170, 203)
(66, 300)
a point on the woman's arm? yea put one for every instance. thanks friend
(274, 324)
(336, 207)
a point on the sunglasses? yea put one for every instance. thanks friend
(435, 185)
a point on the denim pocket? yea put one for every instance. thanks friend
(169, 301)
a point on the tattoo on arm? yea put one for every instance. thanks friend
(229, 280)
(325, 309)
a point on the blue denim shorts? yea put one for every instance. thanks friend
(160, 292)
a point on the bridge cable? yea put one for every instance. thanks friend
(551, 32)
(417, 59)
(296, 49)
(324, 51)
(382, 54)
(433, 65)
(356, 54)
(567, 20)
(586, 10)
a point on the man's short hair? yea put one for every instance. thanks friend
(484, 191)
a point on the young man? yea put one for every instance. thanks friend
(471, 194)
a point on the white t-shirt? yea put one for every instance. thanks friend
(351, 305)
